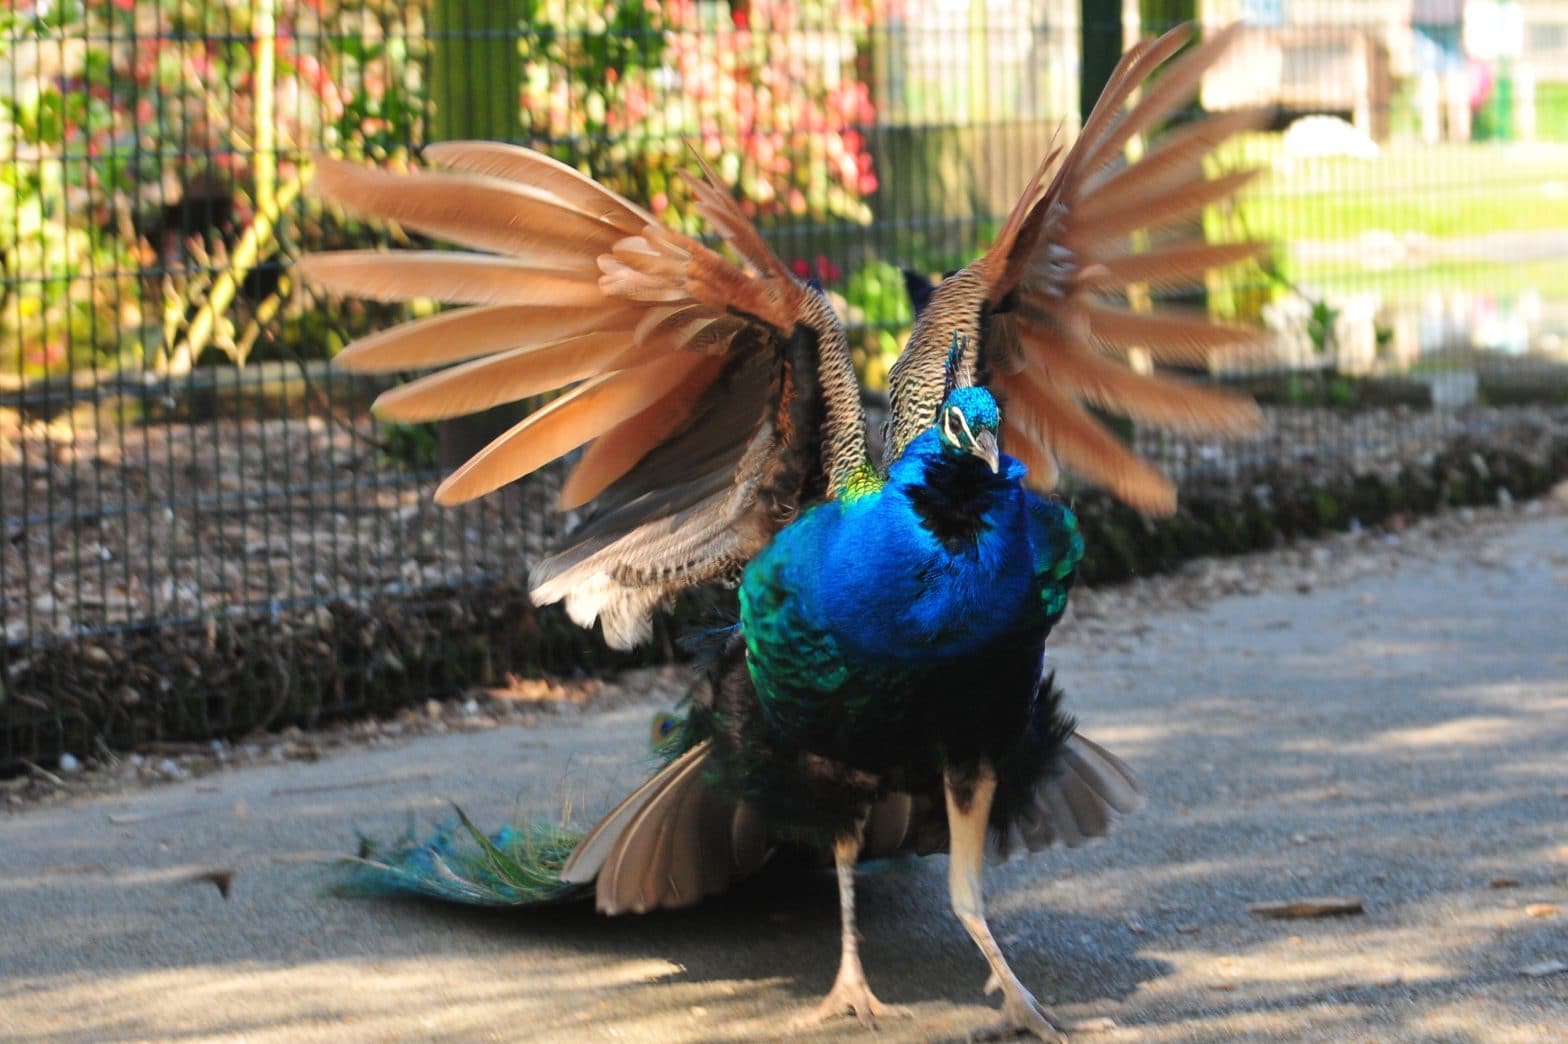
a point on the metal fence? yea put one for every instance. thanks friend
(203, 529)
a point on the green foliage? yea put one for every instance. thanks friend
(878, 308)
(416, 446)
(141, 148)
(132, 179)
(876, 296)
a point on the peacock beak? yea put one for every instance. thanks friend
(986, 449)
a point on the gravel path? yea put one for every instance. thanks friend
(1381, 718)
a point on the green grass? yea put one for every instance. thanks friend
(1501, 279)
(1441, 190)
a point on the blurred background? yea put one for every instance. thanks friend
(205, 532)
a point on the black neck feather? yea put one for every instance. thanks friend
(953, 497)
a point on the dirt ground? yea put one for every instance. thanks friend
(1379, 717)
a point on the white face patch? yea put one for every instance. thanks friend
(956, 427)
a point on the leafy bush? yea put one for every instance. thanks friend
(140, 147)
(147, 153)
(766, 90)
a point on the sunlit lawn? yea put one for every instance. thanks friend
(1443, 190)
(1496, 278)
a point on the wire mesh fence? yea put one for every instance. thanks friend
(204, 529)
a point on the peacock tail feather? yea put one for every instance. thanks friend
(515, 866)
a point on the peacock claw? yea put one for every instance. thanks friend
(851, 995)
(1022, 1015)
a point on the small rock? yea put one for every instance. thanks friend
(1543, 909)
(1100, 1024)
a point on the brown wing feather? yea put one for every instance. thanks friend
(1174, 404)
(1049, 418)
(586, 412)
(472, 211)
(1171, 335)
(512, 375)
(1101, 221)
(719, 209)
(1170, 92)
(472, 279)
(1173, 267)
(538, 171)
(468, 333)
(618, 450)
(584, 288)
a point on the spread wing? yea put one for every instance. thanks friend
(1045, 314)
(715, 398)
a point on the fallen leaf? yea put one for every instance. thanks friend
(1543, 969)
(1320, 906)
(1543, 909)
(1505, 882)
(1222, 987)
(220, 878)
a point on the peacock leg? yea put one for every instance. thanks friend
(968, 812)
(851, 994)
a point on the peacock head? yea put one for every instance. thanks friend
(968, 423)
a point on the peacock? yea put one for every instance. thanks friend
(883, 686)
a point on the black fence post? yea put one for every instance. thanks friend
(476, 86)
(1100, 27)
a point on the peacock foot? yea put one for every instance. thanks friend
(1021, 1014)
(851, 995)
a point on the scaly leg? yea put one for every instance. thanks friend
(968, 812)
(850, 995)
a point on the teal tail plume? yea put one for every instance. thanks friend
(515, 866)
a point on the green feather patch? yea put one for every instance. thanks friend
(515, 866)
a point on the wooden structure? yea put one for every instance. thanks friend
(1341, 70)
